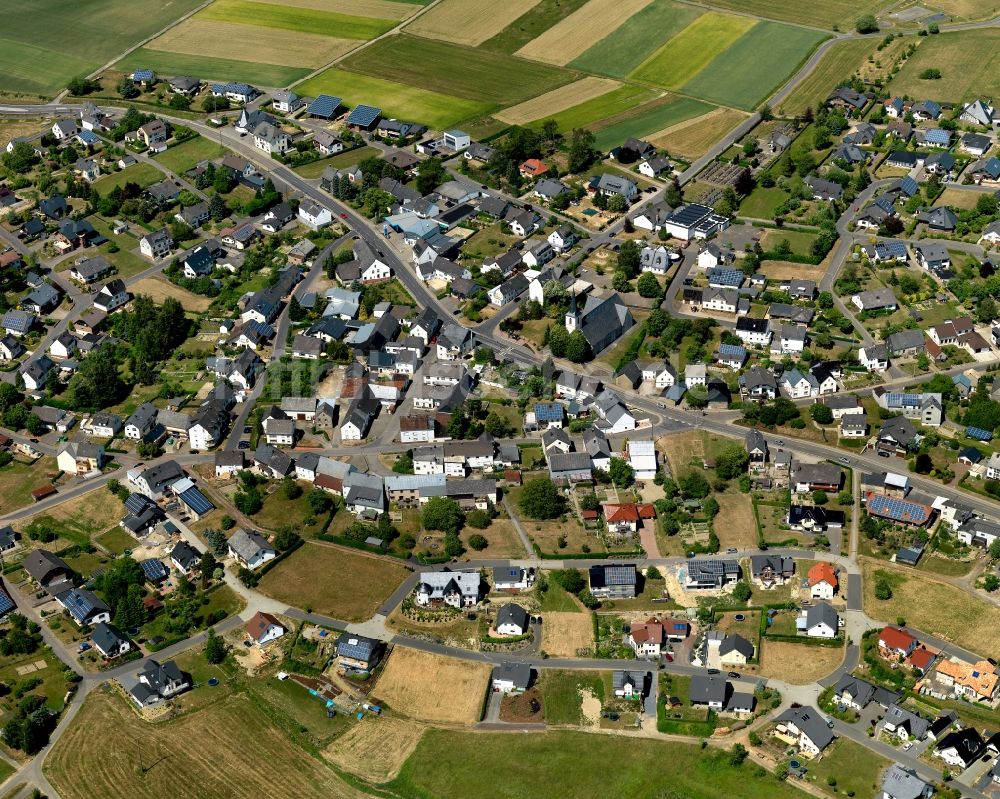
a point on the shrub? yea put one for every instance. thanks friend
(478, 542)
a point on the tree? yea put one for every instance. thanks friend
(480, 519)
(441, 513)
(498, 426)
(581, 150)
(866, 23)
(732, 462)
(248, 502)
(737, 754)
(617, 203)
(883, 589)
(131, 612)
(286, 538)
(215, 648)
(478, 542)
(742, 592)
(540, 499)
(845, 498)
(217, 208)
(991, 582)
(821, 413)
(820, 497)
(994, 549)
(577, 347)
(290, 488)
(97, 382)
(127, 88)
(621, 473)
(923, 463)
(629, 258)
(648, 286)
(570, 580)
(558, 341)
(206, 566)
(217, 542)
(212, 103)
(694, 484)
(319, 501)
(931, 73)
(120, 576)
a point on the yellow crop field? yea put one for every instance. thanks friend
(551, 103)
(692, 137)
(577, 33)
(469, 22)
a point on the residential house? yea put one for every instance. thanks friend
(356, 653)
(455, 589)
(250, 549)
(613, 581)
(823, 581)
(805, 728)
(264, 628)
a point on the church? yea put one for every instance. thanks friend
(602, 321)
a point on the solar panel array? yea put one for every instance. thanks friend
(726, 277)
(363, 115)
(619, 575)
(153, 569)
(898, 509)
(732, 349)
(6, 604)
(899, 400)
(197, 501)
(979, 434)
(325, 106)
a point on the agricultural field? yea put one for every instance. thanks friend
(966, 9)
(296, 18)
(562, 763)
(210, 67)
(303, 581)
(46, 43)
(969, 62)
(381, 9)
(841, 13)
(550, 104)
(839, 62)
(693, 137)
(566, 632)
(469, 22)
(90, 761)
(932, 606)
(432, 687)
(644, 119)
(691, 50)
(393, 738)
(575, 34)
(456, 71)
(625, 48)
(615, 102)
(531, 25)
(185, 155)
(400, 100)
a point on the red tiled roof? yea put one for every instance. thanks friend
(646, 511)
(650, 630)
(258, 625)
(822, 571)
(533, 167)
(922, 658)
(896, 639)
(621, 513)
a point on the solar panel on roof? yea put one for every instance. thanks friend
(979, 434)
(153, 569)
(325, 106)
(898, 509)
(363, 115)
(6, 604)
(197, 501)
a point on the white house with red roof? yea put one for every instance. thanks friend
(646, 638)
(895, 643)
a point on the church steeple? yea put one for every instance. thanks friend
(572, 315)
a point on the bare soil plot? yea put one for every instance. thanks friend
(967, 9)
(196, 36)
(735, 524)
(394, 739)
(333, 581)
(693, 137)
(381, 9)
(564, 633)
(575, 34)
(551, 103)
(518, 709)
(779, 270)
(501, 537)
(158, 290)
(99, 755)
(798, 664)
(469, 22)
(432, 687)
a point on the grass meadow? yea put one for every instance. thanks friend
(300, 20)
(531, 25)
(969, 62)
(649, 118)
(210, 68)
(839, 62)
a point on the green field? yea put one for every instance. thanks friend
(562, 693)
(455, 70)
(301, 20)
(208, 68)
(692, 50)
(649, 118)
(626, 48)
(969, 62)
(557, 764)
(615, 102)
(46, 42)
(820, 15)
(185, 155)
(313, 170)
(838, 63)
(395, 99)
(741, 78)
(531, 25)
(143, 174)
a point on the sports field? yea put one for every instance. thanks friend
(549, 105)
(298, 19)
(622, 50)
(648, 118)
(395, 99)
(234, 40)
(456, 70)
(740, 77)
(469, 22)
(575, 34)
(969, 62)
(109, 752)
(693, 137)
(839, 62)
(46, 42)
(210, 68)
(556, 764)
(692, 50)
(618, 101)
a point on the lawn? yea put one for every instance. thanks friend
(740, 78)
(649, 118)
(531, 25)
(279, 511)
(95, 512)
(45, 43)
(180, 158)
(557, 600)
(563, 692)
(564, 763)
(118, 741)
(401, 100)
(19, 479)
(142, 174)
(691, 50)
(969, 62)
(839, 62)
(298, 19)
(211, 68)
(933, 607)
(763, 203)
(338, 161)
(458, 71)
(854, 768)
(799, 240)
(334, 582)
(625, 48)
(615, 102)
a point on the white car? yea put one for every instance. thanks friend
(907, 745)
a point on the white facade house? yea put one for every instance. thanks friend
(313, 215)
(456, 589)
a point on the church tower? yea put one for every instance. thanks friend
(572, 315)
